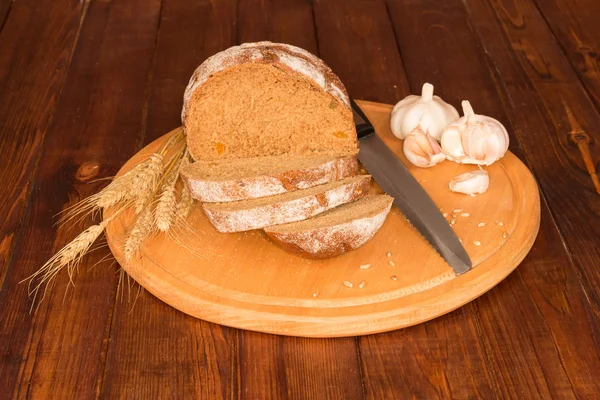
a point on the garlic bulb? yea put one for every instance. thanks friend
(428, 112)
(422, 150)
(474, 139)
(474, 182)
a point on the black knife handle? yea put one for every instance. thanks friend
(364, 127)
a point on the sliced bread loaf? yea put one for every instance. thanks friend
(294, 206)
(266, 98)
(249, 178)
(336, 231)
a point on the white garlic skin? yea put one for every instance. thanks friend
(474, 182)
(422, 150)
(427, 112)
(474, 139)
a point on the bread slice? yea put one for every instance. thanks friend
(250, 178)
(336, 231)
(266, 98)
(294, 206)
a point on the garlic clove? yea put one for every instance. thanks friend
(474, 182)
(427, 112)
(422, 150)
(474, 139)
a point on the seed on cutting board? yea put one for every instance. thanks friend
(388, 254)
(393, 264)
(465, 215)
(477, 243)
(479, 225)
(361, 285)
(445, 215)
(500, 223)
(394, 277)
(365, 266)
(348, 284)
(453, 215)
(457, 210)
(504, 235)
(460, 240)
(315, 294)
(452, 222)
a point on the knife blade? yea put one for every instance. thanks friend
(409, 196)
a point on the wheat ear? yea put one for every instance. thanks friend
(142, 228)
(68, 257)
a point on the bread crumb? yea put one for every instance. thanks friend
(388, 254)
(472, 194)
(500, 223)
(452, 222)
(465, 215)
(394, 277)
(365, 266)
(315, 294)
(361, 285)
(477, 243)
(504, 235)
(457, 210)
(348, 284)
(479, 225)
(445, 215)
(393, 264)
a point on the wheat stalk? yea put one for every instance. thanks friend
(142, 228)
(165, 208)
(68, 257)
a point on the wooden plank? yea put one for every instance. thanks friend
(60, 350)
(552, 100)
(356, 40)
(274, 367)
(288, 22)
(575, 27)
(28, 95)
(415, 360)
(4, 10)
(156, 351)
(543, 299)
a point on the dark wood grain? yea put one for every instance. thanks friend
(156, 351)
(539, 85)
(575, 27)
(277, 367)
(356, 40)
(458, 67)
(28, 94)
(4, 10)
(274, 367)
(59, 351)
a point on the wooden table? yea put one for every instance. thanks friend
(85, 84)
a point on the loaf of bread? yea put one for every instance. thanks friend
(293, 206)
(266, 99)
(249, 178)
(336, 231)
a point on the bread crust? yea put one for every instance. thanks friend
(330, 241)
(283, 212)
(211, 191)
(287, 56)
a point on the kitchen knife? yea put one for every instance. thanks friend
(393, 177)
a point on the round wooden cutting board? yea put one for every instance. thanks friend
(245, 281)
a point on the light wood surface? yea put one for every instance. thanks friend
(244, 280)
